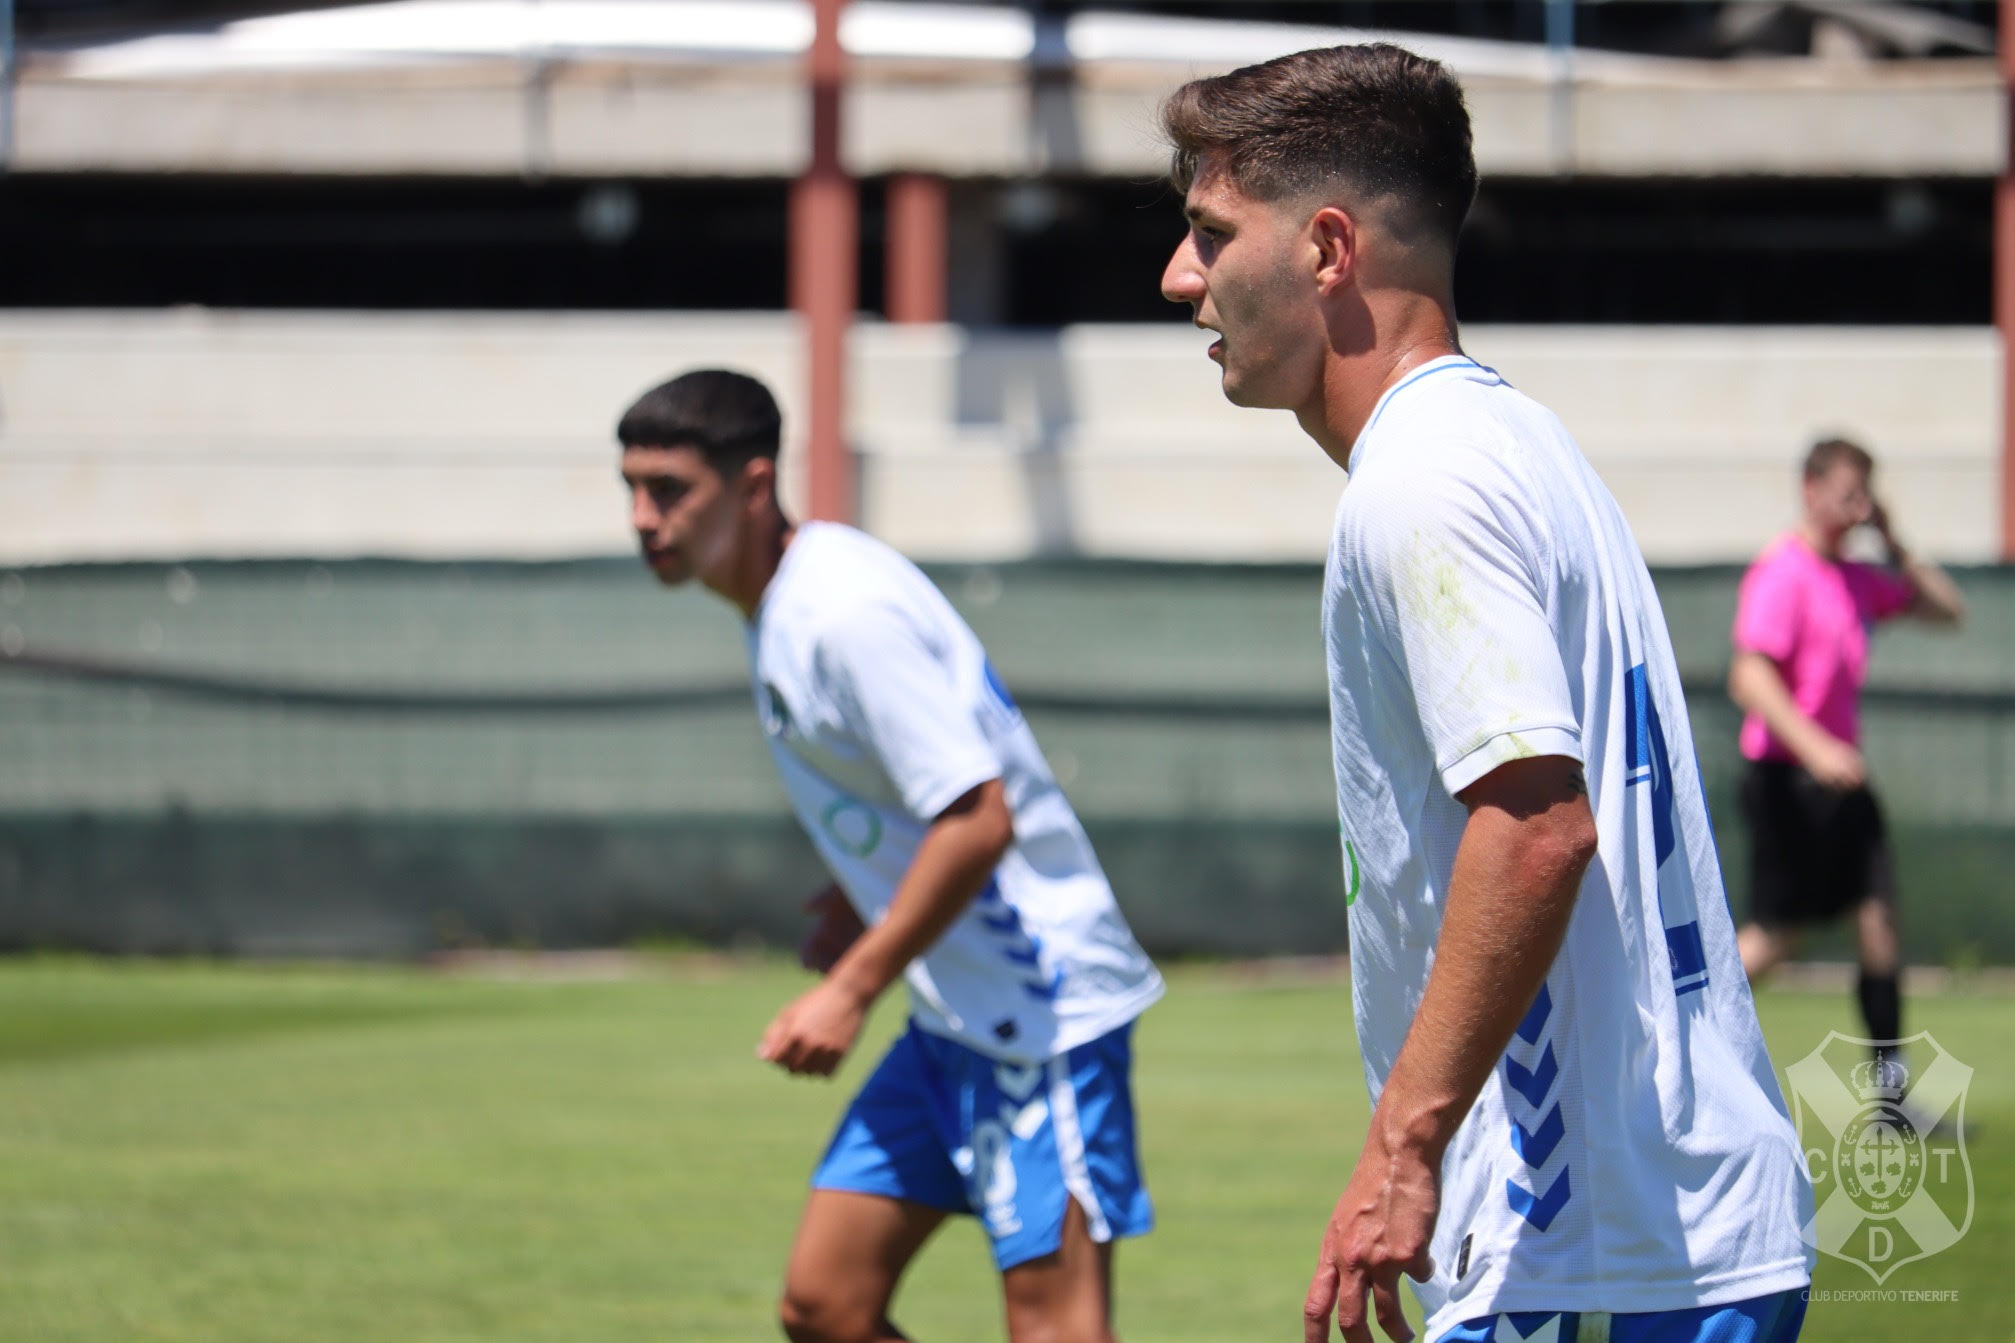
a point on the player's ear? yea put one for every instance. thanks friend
(758, 480)
(1336, 239)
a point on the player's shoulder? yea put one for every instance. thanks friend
(1786, 558)
(866, 564)
(1442, 478)
(832, 570)
(859, 594)
(1468, 422)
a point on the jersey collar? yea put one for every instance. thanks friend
(1426, 370)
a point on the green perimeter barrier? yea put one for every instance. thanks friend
(382, 759)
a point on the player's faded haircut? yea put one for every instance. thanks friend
(1375, 120)
(729, 417)
(1828, 453)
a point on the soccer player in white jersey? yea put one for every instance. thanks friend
(959, 866)
(1576, 1131)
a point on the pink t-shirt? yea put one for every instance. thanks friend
(1811, 616)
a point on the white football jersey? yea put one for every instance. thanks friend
(1485, 601)
(882, 710)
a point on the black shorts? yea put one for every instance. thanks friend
(1814, 853)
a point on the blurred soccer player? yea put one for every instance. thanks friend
(1576, 1131)
(959, 867)
(1818, 845)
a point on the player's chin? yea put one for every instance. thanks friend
(668, 570)
(1249, 393)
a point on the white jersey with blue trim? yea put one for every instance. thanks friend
(1484, 602)
(881, 710)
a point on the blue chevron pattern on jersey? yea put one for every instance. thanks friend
(1534, 1083)
(1535, 1140)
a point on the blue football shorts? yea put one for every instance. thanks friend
(1776, 1318)
(1015, 1145)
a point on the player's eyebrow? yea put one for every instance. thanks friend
(1201, 215)
(650, 478)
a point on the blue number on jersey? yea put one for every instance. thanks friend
(1650, 763)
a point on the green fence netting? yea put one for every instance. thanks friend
(381, 758)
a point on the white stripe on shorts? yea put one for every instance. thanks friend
(1070, 1148)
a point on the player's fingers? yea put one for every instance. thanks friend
(1421, 1267)
(788, 1051)
(766, 1048)
(1385, 1300)
(1351, 1317)
(1321, 1302)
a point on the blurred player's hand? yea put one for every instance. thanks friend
(1381, 1228)
(814, 1031)
(1837, 765)
(837, 928)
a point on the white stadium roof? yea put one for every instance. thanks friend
(435, 31)
(711, 88)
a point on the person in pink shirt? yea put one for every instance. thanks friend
(1802, 627)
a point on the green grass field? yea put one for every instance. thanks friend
(222, 1153)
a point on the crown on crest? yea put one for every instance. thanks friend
(1881, 1079)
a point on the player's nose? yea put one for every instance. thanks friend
(643, 514)
(1180, 280)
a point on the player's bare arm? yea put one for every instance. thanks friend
(1757, 686)
(1935, 597)
(1529, 838)
(958, 853)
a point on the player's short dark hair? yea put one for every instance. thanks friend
(1374, 119)
(1828, 453)
(729, 417)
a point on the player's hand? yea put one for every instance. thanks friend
(837, 929)
(1837, 765)
(1381, 1228)
(814, 1031)
(1878, 518)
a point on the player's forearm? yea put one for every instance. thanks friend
(1757, 687)
(958, 854)
(1938, 598)
(1934, 596)
(1511, 895)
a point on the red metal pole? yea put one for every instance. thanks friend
(825, 241)
(918, 223)
(2004, 280)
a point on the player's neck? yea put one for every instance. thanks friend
(1418, 332)
(756, 564)
(1824, 546)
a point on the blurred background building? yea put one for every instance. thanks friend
(318, 626)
